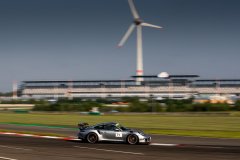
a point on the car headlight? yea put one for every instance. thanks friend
(141, 133)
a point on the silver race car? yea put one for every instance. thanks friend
(111, 131)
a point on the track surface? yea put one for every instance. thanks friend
(155, 138)
(28, 148)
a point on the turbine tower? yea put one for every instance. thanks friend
(139, 23)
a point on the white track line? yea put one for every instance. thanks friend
(15, 148)
(8, 133)
(50, 137)
(162, 144)
(109, 150)
(7, 158)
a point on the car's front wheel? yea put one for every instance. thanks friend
(132, 139)
(92, 138)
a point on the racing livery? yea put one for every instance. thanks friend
(111, 131)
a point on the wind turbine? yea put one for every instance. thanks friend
(139, 23)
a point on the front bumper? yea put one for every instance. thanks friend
(145, 140)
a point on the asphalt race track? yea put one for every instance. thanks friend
(155, 138)
(14, 147)
(28, 148)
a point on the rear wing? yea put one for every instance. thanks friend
(82, 126)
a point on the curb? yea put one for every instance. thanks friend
(42, 136)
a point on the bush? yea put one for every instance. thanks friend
(134, 100)
(38, 108)
(86, 106)
(154, 106)
(29, 101)
(220, 107)
(106, 101)
(122, 109)
(204, 107)
(139, 107)
(181, 107)
(237, 106)
(136, 106)
(105, 109)
(176, 101)
(171, 107)
(199, 107)
(66, 100)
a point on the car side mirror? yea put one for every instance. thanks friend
(116, 129)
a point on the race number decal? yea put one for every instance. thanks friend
(118, 134)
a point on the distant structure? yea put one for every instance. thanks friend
(158, 86)
(15, 89)
(139, 23)
(168, 86)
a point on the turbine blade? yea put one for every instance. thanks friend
(134, 12)
(151, 25)
(126, 35)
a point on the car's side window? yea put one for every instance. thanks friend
(99, 127)
(110, 127)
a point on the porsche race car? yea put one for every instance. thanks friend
(111, 131)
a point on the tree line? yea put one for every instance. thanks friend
(170, 105)
(135, 105)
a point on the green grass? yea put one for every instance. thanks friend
(34, 133)
(207, 126)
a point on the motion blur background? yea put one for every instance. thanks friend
(61, 39)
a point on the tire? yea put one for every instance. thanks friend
(92, 138)
(132, 139)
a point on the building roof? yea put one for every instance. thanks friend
(172, 76)
(205, 80)
(144, 76)
(66, 81)
(186, 75)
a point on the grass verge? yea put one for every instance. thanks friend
(202, 126)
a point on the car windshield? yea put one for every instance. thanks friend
(121, 127)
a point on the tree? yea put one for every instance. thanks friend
(237, 105)
(158, 107)
(134, 100)
(171, 107)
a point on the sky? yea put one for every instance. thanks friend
(77, 39)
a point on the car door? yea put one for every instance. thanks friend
(111, 133)
(100, 129)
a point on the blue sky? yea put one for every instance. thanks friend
(62, 39)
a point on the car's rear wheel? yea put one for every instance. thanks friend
(132, 139)
(92, 138)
